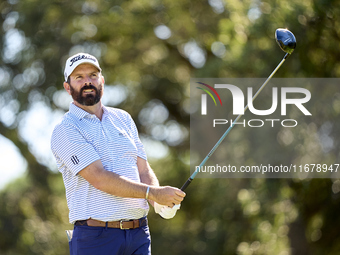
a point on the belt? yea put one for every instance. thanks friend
(130, 224)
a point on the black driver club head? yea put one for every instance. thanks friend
(285, 39)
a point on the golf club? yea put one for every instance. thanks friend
(287, 43)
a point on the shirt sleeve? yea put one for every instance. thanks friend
(71, 149)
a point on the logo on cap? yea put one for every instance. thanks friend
(77, 59)
(80, 57)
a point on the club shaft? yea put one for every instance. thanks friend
(187, 183)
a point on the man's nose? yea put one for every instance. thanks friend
(87, 80)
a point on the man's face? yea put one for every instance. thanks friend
(86, 85)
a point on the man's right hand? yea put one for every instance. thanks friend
(166, 195)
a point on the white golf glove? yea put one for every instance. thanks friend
(165, 211)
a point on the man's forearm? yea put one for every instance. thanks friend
(148, 176)
(117, 185)
(112, 183)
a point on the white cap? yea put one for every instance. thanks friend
(76, 60)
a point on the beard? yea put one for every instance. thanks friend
(88, 99)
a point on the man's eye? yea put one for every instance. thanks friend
(94, 75)
(78, 77)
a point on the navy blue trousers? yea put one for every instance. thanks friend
(110, 241)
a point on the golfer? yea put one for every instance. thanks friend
(107, 178)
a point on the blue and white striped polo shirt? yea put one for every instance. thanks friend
(79, 140)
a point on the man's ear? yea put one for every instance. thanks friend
(67, 88)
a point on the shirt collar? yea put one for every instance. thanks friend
(80, 113)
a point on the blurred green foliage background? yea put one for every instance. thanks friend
(148, 51)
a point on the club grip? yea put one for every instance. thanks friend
(186, 184)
